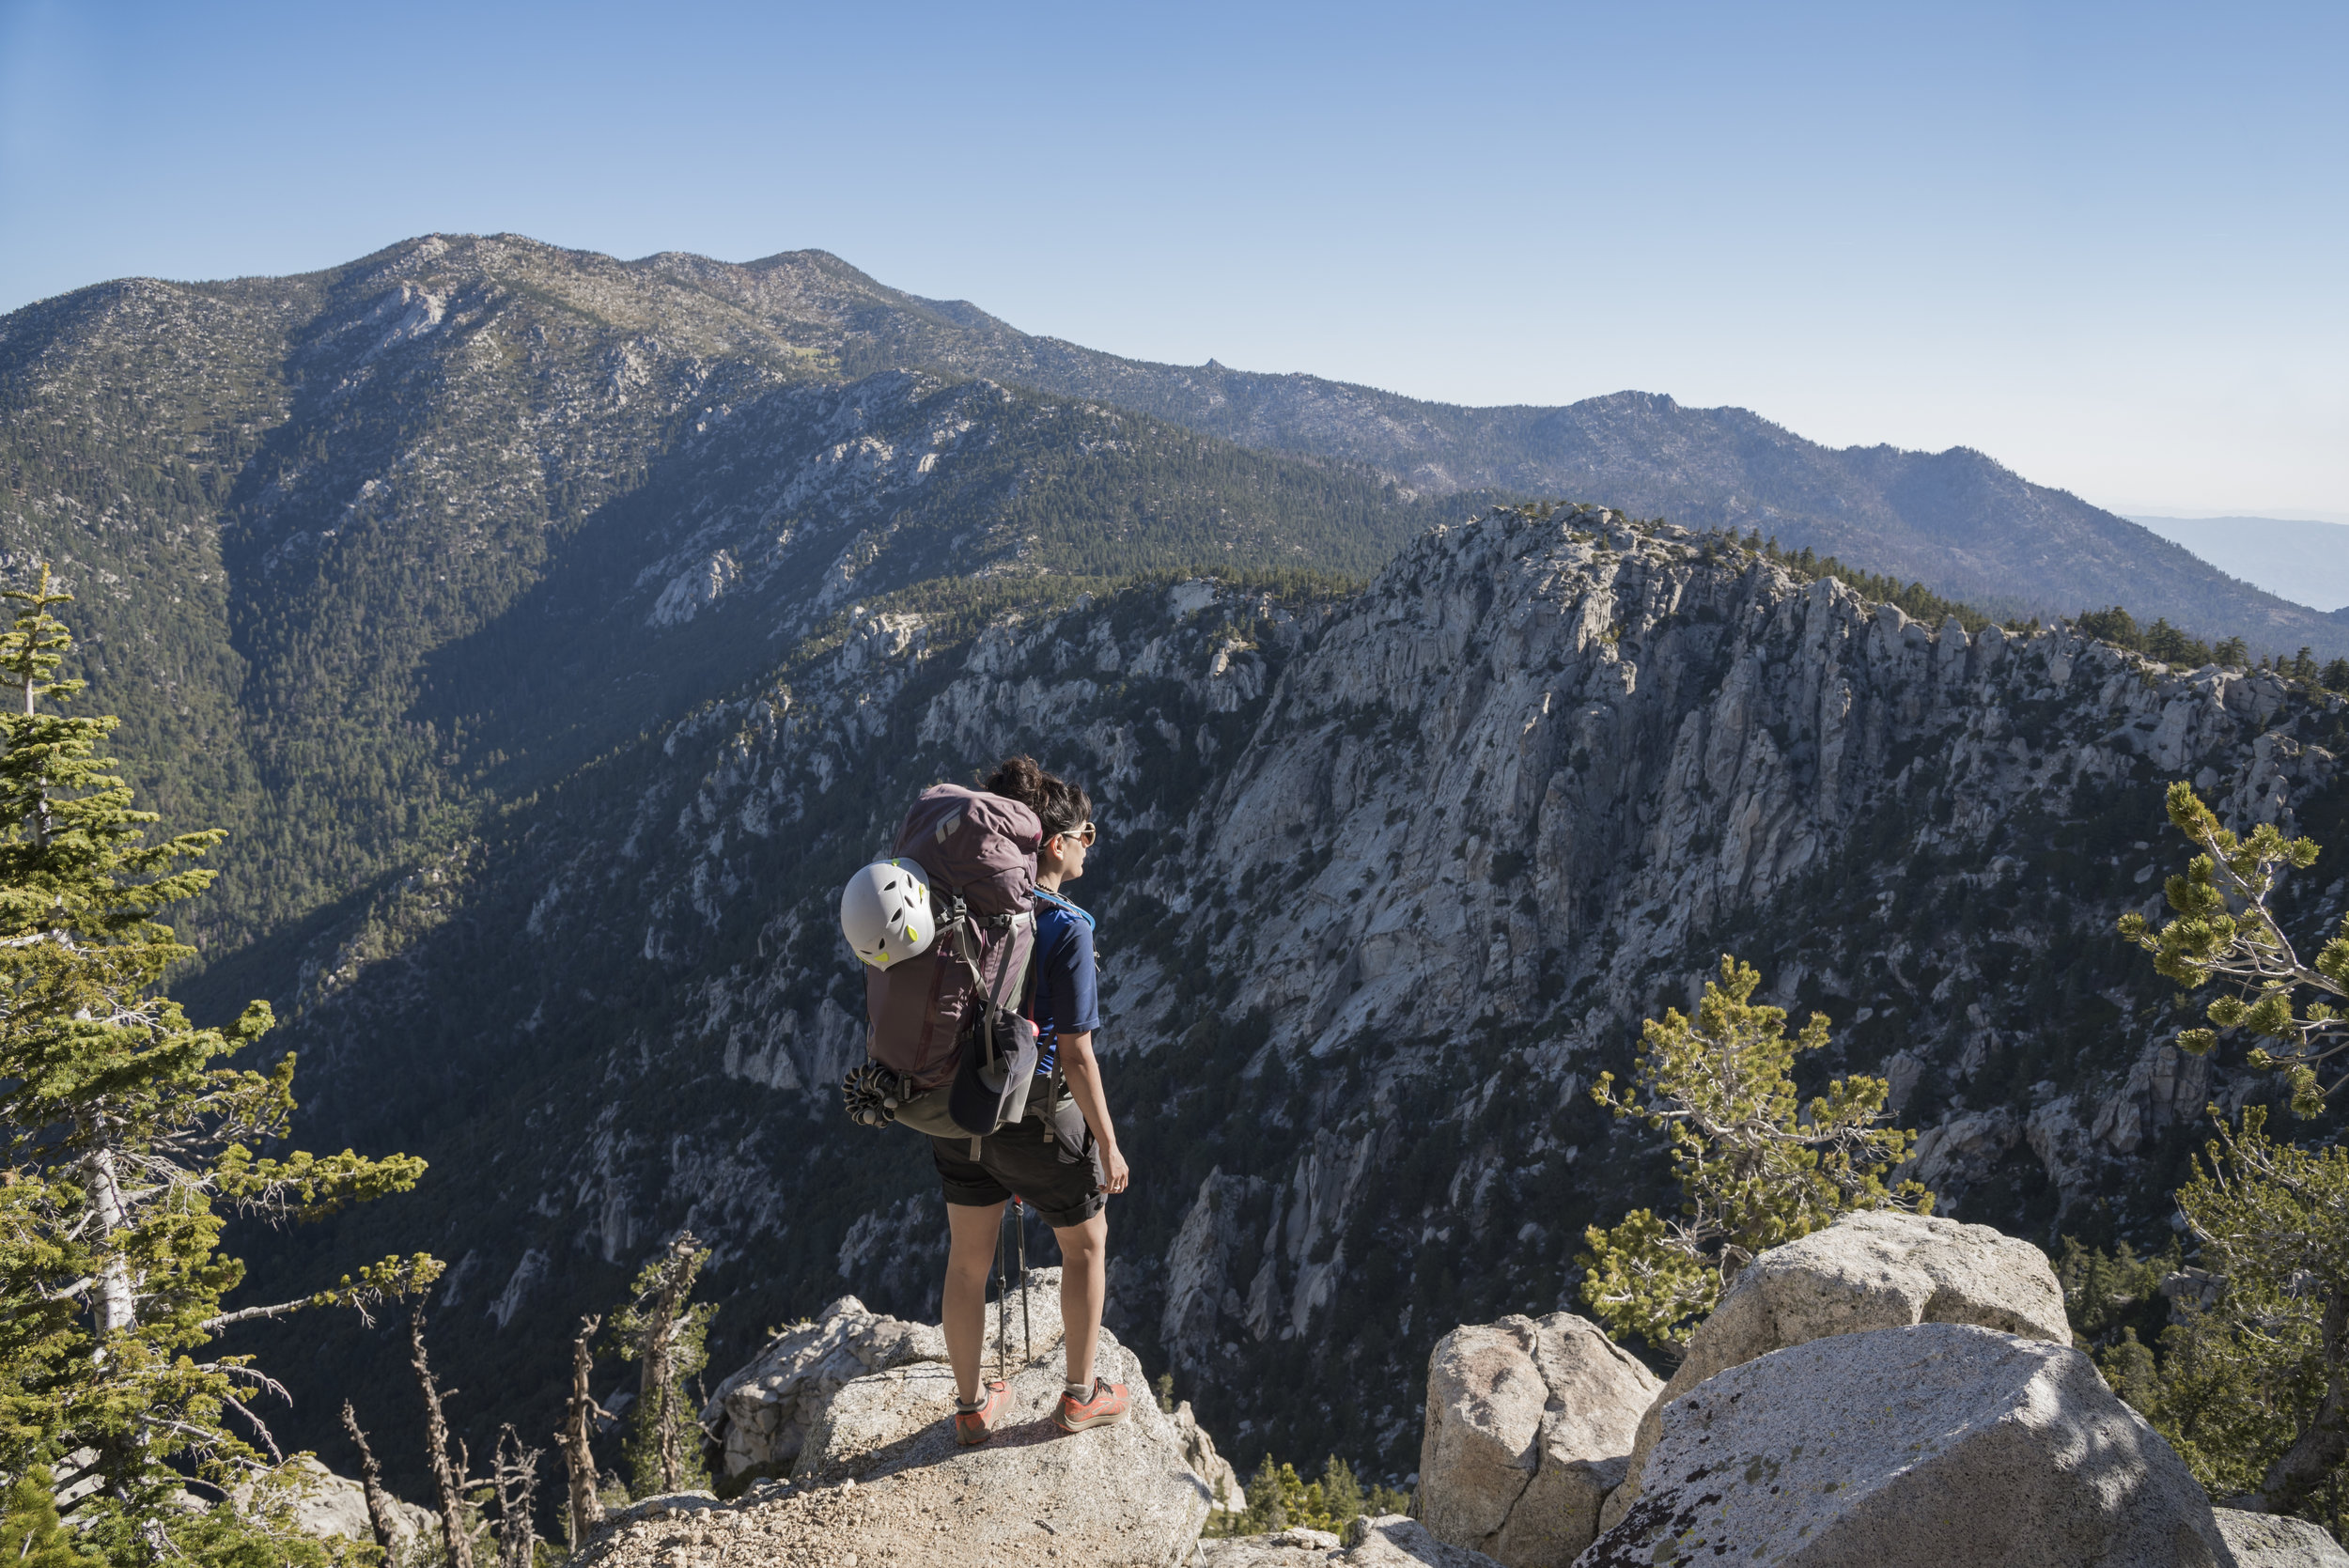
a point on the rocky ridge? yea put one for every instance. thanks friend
(1384, 882)
(1956, 519)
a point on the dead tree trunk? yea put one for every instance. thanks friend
(580, 1415)
(450, 1482)
(371, 1478)
(514, 1475)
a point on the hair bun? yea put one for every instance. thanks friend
(1058, 804)
(1020, 779)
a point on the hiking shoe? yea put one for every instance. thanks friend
(1107, 1407)
(974, 1427)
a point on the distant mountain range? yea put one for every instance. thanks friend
(1957, 521)
(2295, 558)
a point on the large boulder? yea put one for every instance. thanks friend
(1529, 1427)
(1868, 1271)
(1913, 1447)
(759, 1417)
(1116, 1496)
(2266, 1540)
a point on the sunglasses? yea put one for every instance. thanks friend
(1082, 835)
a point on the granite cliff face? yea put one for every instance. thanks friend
(1384, 881)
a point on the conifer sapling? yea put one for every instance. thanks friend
(1757, 1168)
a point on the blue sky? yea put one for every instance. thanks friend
(2104, 245)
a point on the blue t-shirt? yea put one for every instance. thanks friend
(1063, 989)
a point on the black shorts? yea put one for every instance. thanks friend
(1020, 1160)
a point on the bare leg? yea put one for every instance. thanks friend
(1084, 1260)
(971, 1252)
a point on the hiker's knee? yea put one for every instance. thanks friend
(1085, 1243)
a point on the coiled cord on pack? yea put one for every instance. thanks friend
(871, 1093)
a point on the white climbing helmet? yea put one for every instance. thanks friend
(886, 913)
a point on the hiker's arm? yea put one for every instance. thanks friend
(1077, 1064)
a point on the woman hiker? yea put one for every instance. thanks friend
(1063, 999)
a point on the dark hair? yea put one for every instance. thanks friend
(1060, 806)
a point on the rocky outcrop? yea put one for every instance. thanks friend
(1529, 1427)
(1223, 1482)
(1913, 1447)
(1866, 1271)
(1393, 1541)
(1114, 1496)
(322, 1504)
(2265, 1541)
(759, 1417)
(878, 1477)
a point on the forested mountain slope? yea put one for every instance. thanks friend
(358, 555)
(1385, 881)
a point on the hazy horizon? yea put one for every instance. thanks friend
(2293, 558)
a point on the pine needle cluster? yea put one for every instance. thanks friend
(2228, 935)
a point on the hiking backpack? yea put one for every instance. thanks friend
(947, 1018)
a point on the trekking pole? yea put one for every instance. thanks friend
(1003, 1312)
(1027, 1332)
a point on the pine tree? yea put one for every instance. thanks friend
(2252, 1386)
(576, 1439)
(1756, 1167)
(127, 1145)
(2227, 934)
(667, 1335)
(1272, 1491)
(1342, 1495)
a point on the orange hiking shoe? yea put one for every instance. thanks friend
(974, 1427)
(1107, 1407)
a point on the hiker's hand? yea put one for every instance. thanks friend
(1113, 1173)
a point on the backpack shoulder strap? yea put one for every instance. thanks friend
(1046, 896)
